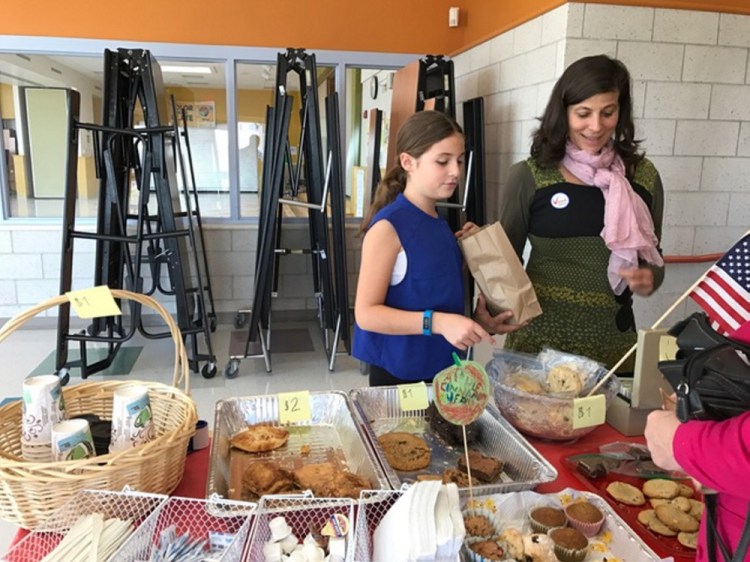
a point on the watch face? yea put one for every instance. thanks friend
(374, 87)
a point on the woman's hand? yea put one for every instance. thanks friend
(497, 324)
(661, 426)
(460, 331)
(640, 280)
(468, 228)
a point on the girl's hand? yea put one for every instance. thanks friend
(497, 324)
(640, 280)
(466, 229)
(460, 331)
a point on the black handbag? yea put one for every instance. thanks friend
(711, 378)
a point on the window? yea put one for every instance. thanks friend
(225, 104)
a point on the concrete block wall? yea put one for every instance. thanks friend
(691, 89)
(30, 268)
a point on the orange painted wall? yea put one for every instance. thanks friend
(397, 26)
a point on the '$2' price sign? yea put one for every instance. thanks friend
(294, 406)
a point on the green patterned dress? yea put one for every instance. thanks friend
(568, 261)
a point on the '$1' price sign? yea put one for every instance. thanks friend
(294, 406)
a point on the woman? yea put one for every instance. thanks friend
(410, 294)
(717, 456)
(591, 207)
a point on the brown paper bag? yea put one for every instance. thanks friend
(499, 273)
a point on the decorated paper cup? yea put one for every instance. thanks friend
(43, 407)
(132, 423)
(71, 440)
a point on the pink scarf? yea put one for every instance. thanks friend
(628, 227)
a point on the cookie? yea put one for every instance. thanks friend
(625, 493)
(681, 503)
(656, 525)
(689, 540)
(661, 488)
(564, 378)
(675, 519)
(686, 491)
(405, 451)
(696, 508)
(645, 516)
(657, 501)
(259, 438)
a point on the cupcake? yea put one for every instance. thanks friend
(570, 544)
(544, 518)
(585, 517)
(478, 523)
(538, 548)
(481, 550)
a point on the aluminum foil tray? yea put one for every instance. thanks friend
(615, 541)
(331, 435)
(378, 411)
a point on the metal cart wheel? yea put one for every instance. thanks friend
(240, 320)
(64, 376)
(232, 368)
(209, 370)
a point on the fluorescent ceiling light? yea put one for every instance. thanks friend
(186, 69)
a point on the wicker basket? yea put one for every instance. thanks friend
(30, 491)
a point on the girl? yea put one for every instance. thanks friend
(410, 295)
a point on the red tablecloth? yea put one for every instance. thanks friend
(193, 484)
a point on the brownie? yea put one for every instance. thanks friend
(486, 469)
(450, 432)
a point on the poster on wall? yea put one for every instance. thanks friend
(198, 113)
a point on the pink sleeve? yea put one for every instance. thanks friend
(717, 454)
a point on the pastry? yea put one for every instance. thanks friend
(405, 451)
(676, 519)
(625, 493)
(585, 517)
(564, 379)
(543, 519)
(488, 550)
(314, 477)
(259, 438)
(345, 484)
(478, 526)
(661, 488)
(570, 544)
(449, 432)
(460, 479)
(689, 540)
(485, 468)
(538, 548)
(265, 477)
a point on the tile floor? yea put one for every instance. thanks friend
(25, 349)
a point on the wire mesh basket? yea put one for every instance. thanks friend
(303, 514)
(135, 507)
(372, 507)
(31, 491)
(213, 521)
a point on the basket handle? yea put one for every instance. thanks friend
(181, 364)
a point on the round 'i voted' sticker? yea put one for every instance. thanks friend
(560, 200)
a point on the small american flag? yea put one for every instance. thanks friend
(724, 292)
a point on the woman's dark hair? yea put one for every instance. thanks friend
(415, 137)
(584, 78)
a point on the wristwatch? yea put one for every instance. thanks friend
(427, 323)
